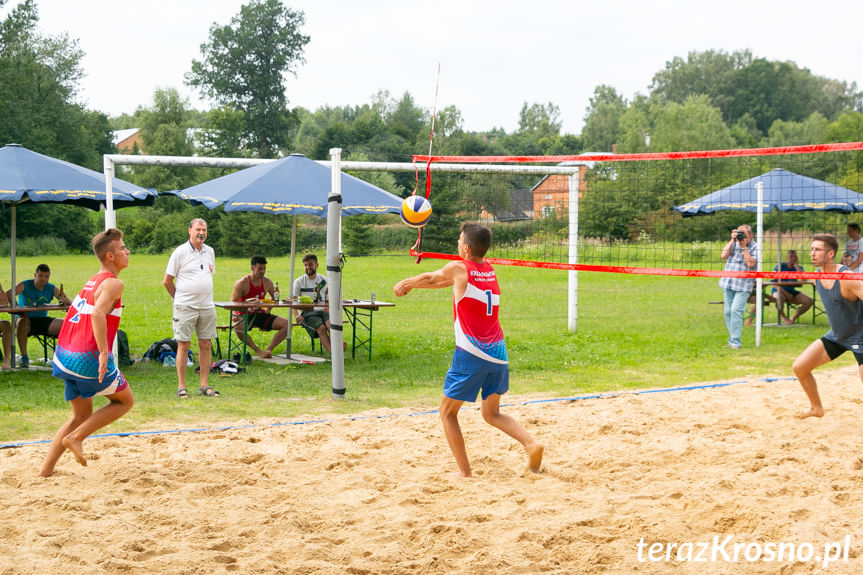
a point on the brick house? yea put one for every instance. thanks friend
(128, 141)
(551, 193)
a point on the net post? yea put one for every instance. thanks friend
(572, 284)
(108, 169)
(759, 282)
(334, 274)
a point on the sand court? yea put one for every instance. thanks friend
(374, 494)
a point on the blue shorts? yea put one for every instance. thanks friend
(77, 386)
(469, 375)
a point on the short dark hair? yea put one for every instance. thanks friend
(829, 241)
(308, 257)
(43, 268)
(258, 260)
(477, 237)
(854, 226)
(102, 242)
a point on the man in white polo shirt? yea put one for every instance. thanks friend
(193, 265)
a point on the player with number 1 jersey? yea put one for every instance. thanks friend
(477, 329)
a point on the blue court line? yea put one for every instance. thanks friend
(427, 412)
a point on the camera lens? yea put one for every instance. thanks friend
(740, 236)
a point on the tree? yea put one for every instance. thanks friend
(602, 121)
(539, 120)
(693, 125)
(711, 72)
(37, 93)
(753, 92)
(811, 131)
(165, 132)
(243, 67)
(38, 110)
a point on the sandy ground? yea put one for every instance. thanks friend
(374, 495)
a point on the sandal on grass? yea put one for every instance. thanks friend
(182, 393)
(208, 392)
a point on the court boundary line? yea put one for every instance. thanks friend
(570, 399)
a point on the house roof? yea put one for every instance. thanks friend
(118, 136)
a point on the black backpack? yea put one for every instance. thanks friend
(123, 356)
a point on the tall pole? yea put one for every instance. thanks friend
(13, 248)
(110, 216)
(572, 287)
(334, 273)
(759, 300)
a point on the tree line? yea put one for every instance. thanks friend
(710, 100)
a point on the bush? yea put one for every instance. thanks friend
(39, 246)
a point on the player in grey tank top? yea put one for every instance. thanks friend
(842, 302)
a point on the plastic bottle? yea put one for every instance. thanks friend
(276, 294)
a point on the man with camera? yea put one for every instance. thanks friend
(741, 254)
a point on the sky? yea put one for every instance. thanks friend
(493, 55)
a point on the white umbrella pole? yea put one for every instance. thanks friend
(334, 274)
(288, 344)
(293, 251)
(759, 301)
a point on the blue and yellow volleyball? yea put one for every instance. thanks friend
(416, 211)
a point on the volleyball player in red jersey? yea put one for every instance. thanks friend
(480, 361)
(83, 358)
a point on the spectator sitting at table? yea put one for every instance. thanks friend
(6, 332)
(36, 292)
(787, 291)
(854, 247)
(313, 285)
(847, 259)
(254, 287)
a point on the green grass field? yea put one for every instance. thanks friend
(633, 332)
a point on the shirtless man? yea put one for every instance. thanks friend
(842, 302)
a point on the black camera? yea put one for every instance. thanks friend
(740, 236)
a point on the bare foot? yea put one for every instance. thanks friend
(459, 474)
(748, 321)
(534, 457)
(77, 449)
(265, 353)
(787, 321)
(813, 412)
(46, 472)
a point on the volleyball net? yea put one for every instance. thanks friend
(657, 213)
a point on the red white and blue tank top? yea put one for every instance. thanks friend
(475, 315)
(77, 352)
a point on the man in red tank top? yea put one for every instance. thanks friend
(83, 359)
(480, 362)
(255, 287)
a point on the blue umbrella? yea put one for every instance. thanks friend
(783, 190)
(28, 176)
(292, 185)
